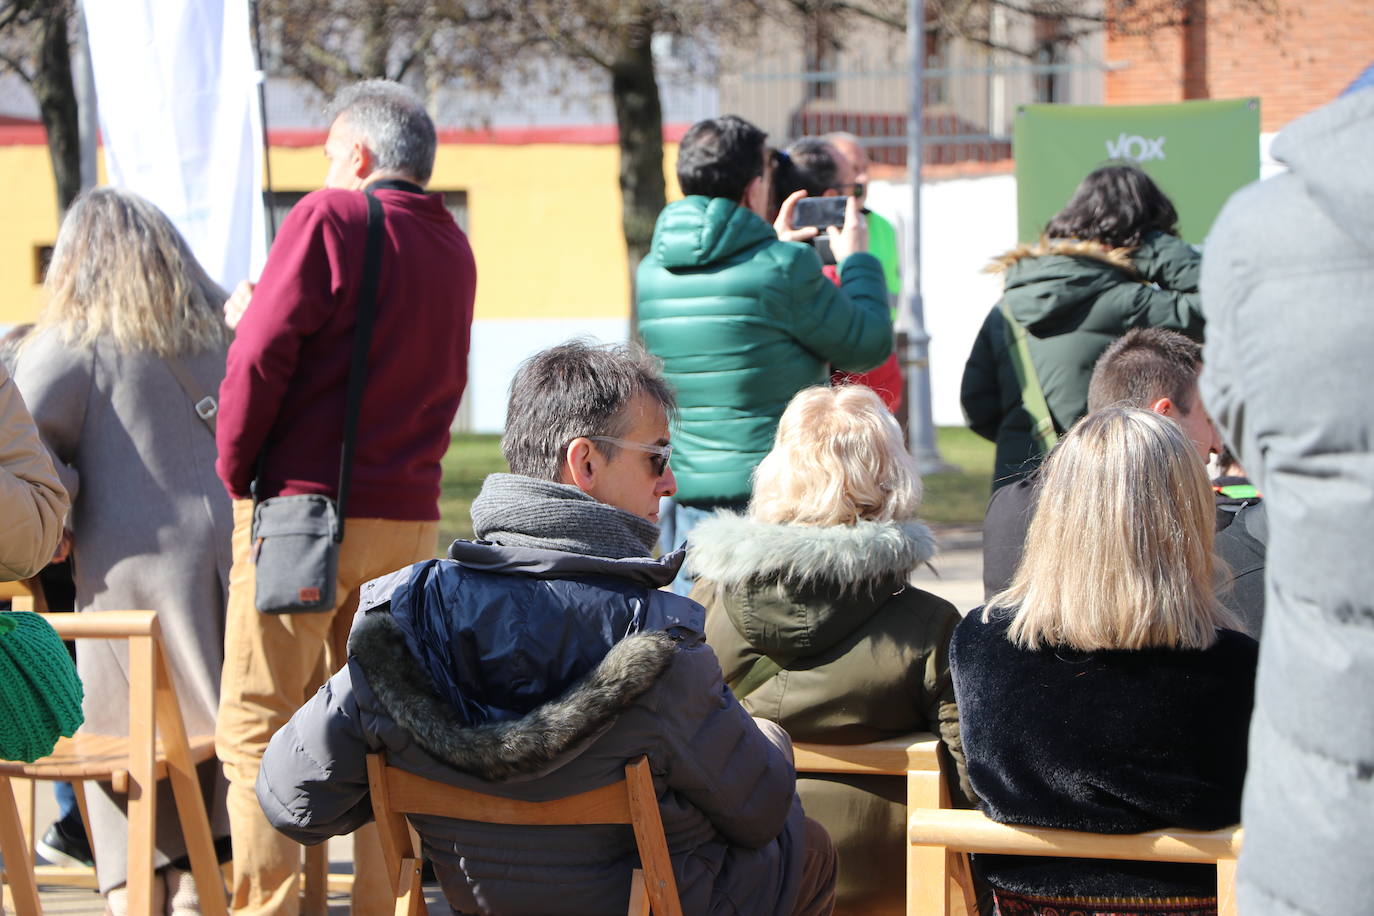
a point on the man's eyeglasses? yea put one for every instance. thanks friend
(662, 454)
(851, 190)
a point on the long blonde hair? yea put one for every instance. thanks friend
(121, 270)
(1119, 552)
(838, 459)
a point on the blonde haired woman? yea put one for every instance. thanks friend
(1106, 689)
(815, 624)
(129, 309)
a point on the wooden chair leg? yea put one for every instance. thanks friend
(316, 871)
(79, 790)
(24, 790)
(142, 797)
(639, 895)
(927, 867)
(18, 857)
(411, 900)
(1226, 888)
(186, 790)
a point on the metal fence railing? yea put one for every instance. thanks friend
(969, 110)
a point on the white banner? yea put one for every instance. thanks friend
(177, 91)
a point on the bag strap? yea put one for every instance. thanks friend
(205, 405)
(362, 341)
(1032, 395)
(760, 673)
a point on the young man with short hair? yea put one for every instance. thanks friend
(1158, 370)
(742, 317)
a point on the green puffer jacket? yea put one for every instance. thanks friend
(1074, 298)
(742, 322)
(864, 656)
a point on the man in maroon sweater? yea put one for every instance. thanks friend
(282, 403)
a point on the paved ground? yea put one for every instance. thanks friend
(955, 575)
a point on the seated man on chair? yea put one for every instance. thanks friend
(535, 662)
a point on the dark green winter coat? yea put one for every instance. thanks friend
(742, 322)
(1074, 298)
(864, 656)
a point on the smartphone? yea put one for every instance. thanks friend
(819, 212)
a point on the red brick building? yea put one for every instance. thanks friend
(1295, 59)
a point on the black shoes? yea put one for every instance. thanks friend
(62, 848)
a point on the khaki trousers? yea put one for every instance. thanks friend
(272, 663)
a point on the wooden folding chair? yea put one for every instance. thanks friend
(917, 757)
(973, 831)
(632, 801)
(156, 748)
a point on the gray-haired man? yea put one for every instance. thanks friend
(536, 662)
(281, 420)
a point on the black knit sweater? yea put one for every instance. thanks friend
(1105, 742)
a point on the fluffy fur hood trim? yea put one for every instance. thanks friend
(730, 549)
(502, 750)
(1120, 258)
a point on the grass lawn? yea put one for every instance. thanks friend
(955, 497)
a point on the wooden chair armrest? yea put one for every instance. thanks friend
(103, 624)
(888, 757)
(973, 831)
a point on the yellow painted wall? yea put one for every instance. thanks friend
(30, 195)
(544, 220)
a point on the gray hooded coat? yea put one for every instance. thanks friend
(1288, 287)
(535, 674)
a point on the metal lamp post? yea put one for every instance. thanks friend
(916, 359)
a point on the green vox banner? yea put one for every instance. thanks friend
(1197, 152)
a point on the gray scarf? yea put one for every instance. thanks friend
(516, 511)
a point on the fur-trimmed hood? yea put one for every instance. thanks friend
(498, 750)
(507, 661)
(1119, 258)
(794, 588)
(729, 549)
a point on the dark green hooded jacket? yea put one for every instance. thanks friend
(742, 322)
(1074, 298)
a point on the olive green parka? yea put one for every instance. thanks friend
(742, 322)
(863, 654)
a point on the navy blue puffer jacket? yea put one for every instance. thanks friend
(536, 674)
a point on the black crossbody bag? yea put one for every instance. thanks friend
(296, 538)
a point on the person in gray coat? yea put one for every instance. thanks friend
(1288, 288)
(129, 309)
(535, 662)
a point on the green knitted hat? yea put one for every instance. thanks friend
(40, 694)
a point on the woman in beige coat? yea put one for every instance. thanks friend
(816, 627)
(33, 502)
(129, 307)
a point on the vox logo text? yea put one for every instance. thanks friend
(1141, 149)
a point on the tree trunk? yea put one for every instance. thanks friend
(376, 43)
(639, 115)
(56, 94)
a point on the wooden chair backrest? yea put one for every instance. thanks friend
(973, 831)
(631, 801)
(917, 757)
(157, 739)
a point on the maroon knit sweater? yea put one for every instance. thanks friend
(287, 374)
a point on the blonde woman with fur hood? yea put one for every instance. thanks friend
(816, 627)
(1111, 260)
